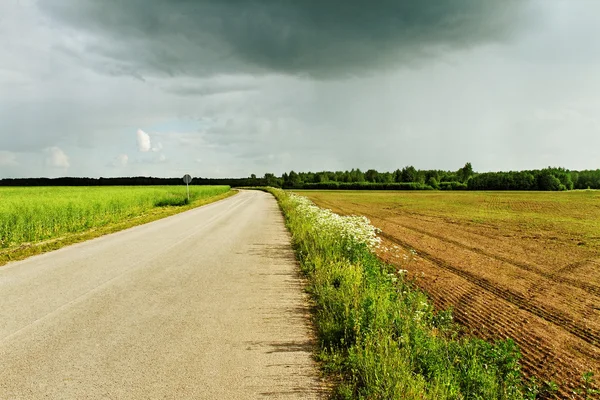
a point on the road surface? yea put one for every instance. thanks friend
(206, 304)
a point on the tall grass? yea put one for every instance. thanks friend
(30, 215)
(377, 332)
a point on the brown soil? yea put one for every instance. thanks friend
(503, 280)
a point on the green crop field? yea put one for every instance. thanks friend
(33, 215)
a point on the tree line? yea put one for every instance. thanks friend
(129, 181)
(407, 178)
(465, 178)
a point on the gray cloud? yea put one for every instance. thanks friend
(120, 161)
(213, 87)
(203, 90)
(308, 37)
(8, 159)
(227, 87)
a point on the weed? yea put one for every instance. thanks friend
(588, 390)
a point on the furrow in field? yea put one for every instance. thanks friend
(538, 249)
(548, 351)
(572, 267)
(556, 276)
(527, 289)
(548, 313)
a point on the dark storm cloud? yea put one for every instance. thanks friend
(207, 90)
(318, 38)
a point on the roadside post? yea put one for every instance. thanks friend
(187, 179)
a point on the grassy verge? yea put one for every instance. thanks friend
(378, 334)
(60, 219)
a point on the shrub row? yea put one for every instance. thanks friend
(365, 186)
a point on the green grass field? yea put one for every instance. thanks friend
(33, 215)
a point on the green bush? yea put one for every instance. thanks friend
(454, 185)
(365, 186)
(173, 200)
(433, 183)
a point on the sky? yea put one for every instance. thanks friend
(229, 88)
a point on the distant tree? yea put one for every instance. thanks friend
(270, 180)
(524, 181)
(564, 177)
(465, 172)
(589, 179)
(342, 176)
(330, 176)
(431, 174)
(547, 181)
(397, 176)
(320, 177)
(385, 177)
(574, 178)
(356, 175)
(409, 174)
(307, 176)
(371, 175)
(294, 179)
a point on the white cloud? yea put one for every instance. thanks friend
(158, 147)
(143, 141)
(8, 159)
(56, 158)
(121, 160)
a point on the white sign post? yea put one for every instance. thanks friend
(187, 179)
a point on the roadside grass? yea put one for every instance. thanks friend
(37, 220)
(379, 335)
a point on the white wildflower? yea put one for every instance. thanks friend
(353, 229)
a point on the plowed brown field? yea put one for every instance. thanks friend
(524, 265)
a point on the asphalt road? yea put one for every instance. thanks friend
(206, 304)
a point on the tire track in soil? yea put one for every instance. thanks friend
(555, 277)
(578, 264)
(490, 323)
(491, 317)
(554, 316)
(550, 314)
